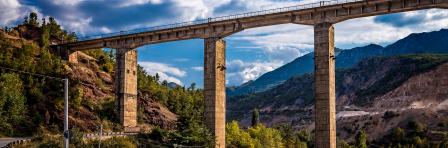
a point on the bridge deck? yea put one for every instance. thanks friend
(308, 14)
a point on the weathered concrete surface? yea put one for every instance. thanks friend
(330, 11)
(214, 88)
(126, 87)
(325, 123)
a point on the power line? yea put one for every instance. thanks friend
(31, 73)
(66, 132)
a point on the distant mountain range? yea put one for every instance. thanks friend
(377, 95)
(428, 42)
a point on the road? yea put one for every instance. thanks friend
(6, 141)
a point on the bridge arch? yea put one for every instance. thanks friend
(321, 15)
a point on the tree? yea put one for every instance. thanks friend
(192, 86)
(417, 141)
(12, 102)
(267, 137)
(398, 135)
(44, 36)
(32, 20)
(361, 139)
(235, 137)
(255, 117)
(343, 144)
(417, 127)
(157, 77)
(54, 27)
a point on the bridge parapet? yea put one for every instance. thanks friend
(310, 14)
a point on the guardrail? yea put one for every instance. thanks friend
(217, 19)
(17, 142)
(110, 134)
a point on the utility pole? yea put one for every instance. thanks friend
(66, 132)
(65, 80)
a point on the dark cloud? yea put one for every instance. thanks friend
(231, 8)
(399, 19)
(106, 13)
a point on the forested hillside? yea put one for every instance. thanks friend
(31, 103)
(377, 96)
(416, 43)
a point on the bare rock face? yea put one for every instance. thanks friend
(422, 98)
(155, 113)
(97, 88)
(425, 91)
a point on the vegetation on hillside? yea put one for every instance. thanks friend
(413, 135)
(24, 97)
(187, 103)
(410, 65)
(301, 87)
(28, 102)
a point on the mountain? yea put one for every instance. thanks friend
(31, 99)
(412, 44)
(377, 94)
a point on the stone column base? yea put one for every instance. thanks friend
(129, 129)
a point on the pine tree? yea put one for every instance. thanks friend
(361, 139)
(45, 36)
(255, 117)
(32, 20)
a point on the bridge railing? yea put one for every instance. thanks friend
(217, 19)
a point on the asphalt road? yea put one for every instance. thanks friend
(6, 141)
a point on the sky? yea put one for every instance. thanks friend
(250, 53)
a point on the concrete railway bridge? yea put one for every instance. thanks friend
(322, 15)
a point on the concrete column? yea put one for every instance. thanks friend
(324, 73)
(214, 88)
(126, 88)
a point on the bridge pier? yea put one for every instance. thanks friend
(324, 78)
(214, 88)
(126, 88)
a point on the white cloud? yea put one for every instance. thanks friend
(165, 71)
(280, 42)
(11, 11)
(363, 31)
(239, 72)
(198, 68)
(194, 9)
(66, 2)
(138, 2)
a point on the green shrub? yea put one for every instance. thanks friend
(12, 103)
(119, 142)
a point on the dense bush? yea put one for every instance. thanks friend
(260, 136)
(187, 103)
(12, 103)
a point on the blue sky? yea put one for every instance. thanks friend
(250, 53)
